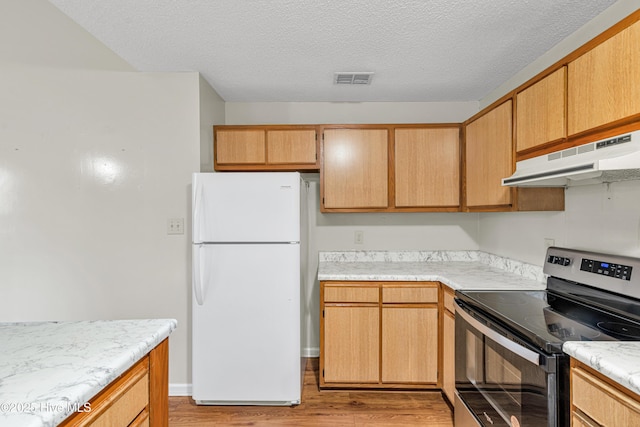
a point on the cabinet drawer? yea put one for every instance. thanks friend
(351, 294)
(127, 407)
(602, 402)
(124, 402)
(449, 304)
(409, 294)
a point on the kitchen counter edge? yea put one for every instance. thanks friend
(50, 368)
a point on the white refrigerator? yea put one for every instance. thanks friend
(249, 245)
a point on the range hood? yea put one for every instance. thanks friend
(607, 160)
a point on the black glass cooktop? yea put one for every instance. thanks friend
(564, 312)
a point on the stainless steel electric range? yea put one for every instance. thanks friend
(510, 368)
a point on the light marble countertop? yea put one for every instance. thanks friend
(619, 360)
(49, 369)
(456, 269)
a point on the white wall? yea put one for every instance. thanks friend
(35, 32)
(332, 231)
(240, 113)
(609, 17)
(94, 159)
(211, 113)
(92, 165)
(598, 218)
(397, 231)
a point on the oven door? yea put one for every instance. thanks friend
(501, 382)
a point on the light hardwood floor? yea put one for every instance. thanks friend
(322, 408)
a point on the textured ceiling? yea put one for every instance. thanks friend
(288, 50)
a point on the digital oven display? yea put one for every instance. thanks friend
(618, 271)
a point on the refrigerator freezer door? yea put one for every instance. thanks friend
(246, 207)
(246, 333)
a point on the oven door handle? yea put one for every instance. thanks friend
(512, 346)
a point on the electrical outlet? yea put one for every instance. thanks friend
(549, 242)
(175, 226)
(358, 237)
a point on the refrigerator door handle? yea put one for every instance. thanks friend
(197, 275)
(197, 197)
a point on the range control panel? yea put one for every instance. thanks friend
(559, 260)
(618, 271)
(613, 273)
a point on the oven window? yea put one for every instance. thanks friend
(500, 387)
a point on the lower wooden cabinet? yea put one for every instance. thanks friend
(139, 397)
(379, 335)
(409, 344)
(598, 401)
(353, 334)
(448, 344)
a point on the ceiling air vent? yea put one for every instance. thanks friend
(351, 78)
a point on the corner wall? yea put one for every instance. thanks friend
(94, 159)
(333, 231)
(603, 218)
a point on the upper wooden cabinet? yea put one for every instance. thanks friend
(355, 169)
(290, 147)
(603, 83)
(540, 112)
(489, 157)
(240, 147)
(427, 167)
(391, 168)
(265, 148)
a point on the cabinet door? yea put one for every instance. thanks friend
(448, 355)
(489, 158)
(409, 344)
(240, 146)
(351, 344)
(579, 420)
(291, 146)
(355, 168)
(427, 167)
(603, 84)
(540, 112)
(605, 404)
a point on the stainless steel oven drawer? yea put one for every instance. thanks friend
(462, 416)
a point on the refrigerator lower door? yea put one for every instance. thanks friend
(246, 331)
